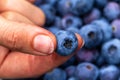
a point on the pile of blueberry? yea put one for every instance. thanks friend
(98, 23)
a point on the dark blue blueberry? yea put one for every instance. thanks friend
(52, 2)
(93, 15)
(67, 42)
(86, 71)
(53, 29)
(101, 3)
(92, 35)
(112, 11)
(116, 28)
(87, 55)
(69, 62)
(110, 72)
(73, 29)
(39, 2)
(70, 70)
(71, 21)
(111, 51)
(106, 28)
(56, 74)
(77, 7)
(49, 12)
(72, 78)
(58, 22)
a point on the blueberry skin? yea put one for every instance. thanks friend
(116, 28)
(52, 2)
(39, 2)
(58, 22)
(67, 42)
(92, 35)
(49, 12)
(76, 7)
(73, 29)
(101, 3)
(71, 21)
(72, 78)
(111, 51)
(53, 29)
(56, 74)
(86, 71)
(87, 55)
(70, 70)
(110, 72)
(93, 15)
(106, 29)
(112, 11)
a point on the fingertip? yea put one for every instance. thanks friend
(80, 41)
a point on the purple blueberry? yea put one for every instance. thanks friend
(93, 15)
(106, 28)
(49, 12)
(92, 35)
(111, 51)
(76, 7)
(86, 71)
(70, 70)
(56, 74)
(112, 10)
(110, 72)
(71, 21)
(87, 55)
(116, 28)
(67, 42)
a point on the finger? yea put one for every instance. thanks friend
(26, 38)
(14, 16)
(21, 65)
(32, 1)
(23, 7)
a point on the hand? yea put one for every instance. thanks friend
(23, 43)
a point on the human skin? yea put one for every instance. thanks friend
(19, 27)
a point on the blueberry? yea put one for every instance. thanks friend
(87, 55)
(76, 7)
(106, 28)
(92, 35)
(67, 42)
(58, 22)
(86, 71)
(116, 28)
(71, 21)
(101, 3)
(52, 2)
(111, 51)
(39, 2)
(73, 29)
(112, 10)
(70, 70)
(53, 29)
(110, 72)
(49, 12)
(72, 78)
(93, 15)
(56, 74)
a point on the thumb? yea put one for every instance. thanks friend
(26, 38)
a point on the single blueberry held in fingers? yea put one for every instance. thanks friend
(67, 42)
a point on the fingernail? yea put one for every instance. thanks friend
(83, 42)
(44, 44)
